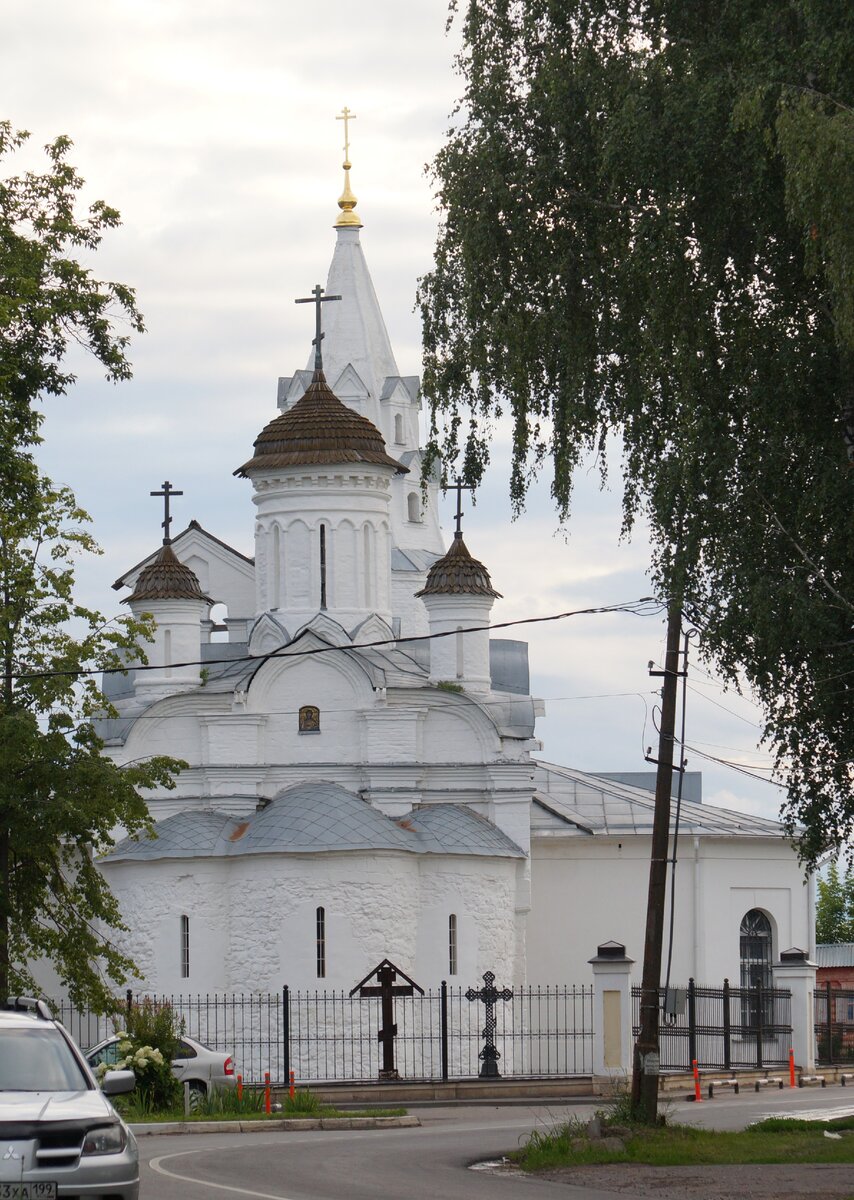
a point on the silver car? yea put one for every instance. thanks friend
(59, 1134)
(199, 1066)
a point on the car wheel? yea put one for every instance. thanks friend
(198, 1091)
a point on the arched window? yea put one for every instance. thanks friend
(452, 944)
(185, 947)
(413, 507)
(756, 954)
(398, 428)
(320, 926)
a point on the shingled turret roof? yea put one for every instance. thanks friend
(456, 573)
(167, 578)
(319, 430)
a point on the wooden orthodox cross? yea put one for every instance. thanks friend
(317, 298)
(386, 974)
(167, 493)
(489, 994)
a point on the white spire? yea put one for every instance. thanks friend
(354, 328)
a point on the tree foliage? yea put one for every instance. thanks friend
(834, 910)
(648, 230)
(60, 799)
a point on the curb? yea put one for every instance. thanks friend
(283, 1125)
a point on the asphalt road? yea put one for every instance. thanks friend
(430, 1163)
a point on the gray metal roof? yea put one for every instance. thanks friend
(835, 954)
(312, 818)
(575, 803)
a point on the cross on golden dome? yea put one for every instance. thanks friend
(348, 217)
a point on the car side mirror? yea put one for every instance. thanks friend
(117, 1083)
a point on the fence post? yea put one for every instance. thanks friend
(692, 1021)
(795, 972)
(612, 1015)
(128, 1002)
(443, 1027)
(760, 1024)
(828, 999)
(286, 1031)
(727, 1029)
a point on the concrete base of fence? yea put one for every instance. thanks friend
(286, 1125)
(459, 1091)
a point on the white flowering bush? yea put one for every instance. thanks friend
(157, 1089)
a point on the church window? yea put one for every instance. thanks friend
(368, 537)
(755, 948)
(452, 944)
(276, 571)
(167, 651)
(185, 947)
(461, 654)
(413, 508)
(398, 428)
(320, 921)
(309, 719)
(323, 566)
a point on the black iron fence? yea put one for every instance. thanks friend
(725, 1028)
(834, 1025)
(330, 1036)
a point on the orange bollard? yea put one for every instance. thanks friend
(239, 1086)
(791, 1067)
(267, 1108)
(291, 1089)
(697, 1094)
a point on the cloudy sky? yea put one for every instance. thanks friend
(210, 125)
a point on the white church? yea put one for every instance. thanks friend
(364, 779)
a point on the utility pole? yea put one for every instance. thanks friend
(646, 1057)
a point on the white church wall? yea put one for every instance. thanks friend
(481, 894)
(595, 889)
(458, 732)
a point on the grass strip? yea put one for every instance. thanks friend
(774, 1141)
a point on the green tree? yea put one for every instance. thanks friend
(648, 231)
(48, 298)
(834, 910)
(60, 799)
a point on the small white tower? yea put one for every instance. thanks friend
(459, 595)
(168, 591)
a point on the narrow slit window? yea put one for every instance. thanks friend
(185, 947)
(398, 428)
(167, 651)
(452, 944)
(323, 566)
(461, 654)
(321, 943)
(413, 508)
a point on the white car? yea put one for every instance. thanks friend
(195, 1064)
(59, 1134)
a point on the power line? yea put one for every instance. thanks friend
(645, 606)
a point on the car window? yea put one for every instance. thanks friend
(107, 1054)
(38, 1060)
(185, 1050)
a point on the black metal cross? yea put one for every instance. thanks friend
(167, 493)
(460, 488)
(489, 994)
(317, 298)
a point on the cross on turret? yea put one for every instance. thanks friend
(458, 517)
(317, 298)
(167, 493)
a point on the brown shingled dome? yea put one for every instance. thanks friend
(319, 430)
(167, 578)
(458, 574)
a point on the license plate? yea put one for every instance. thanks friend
(28, 1191)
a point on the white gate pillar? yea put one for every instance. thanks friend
(795, 972)
(612, 1015)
